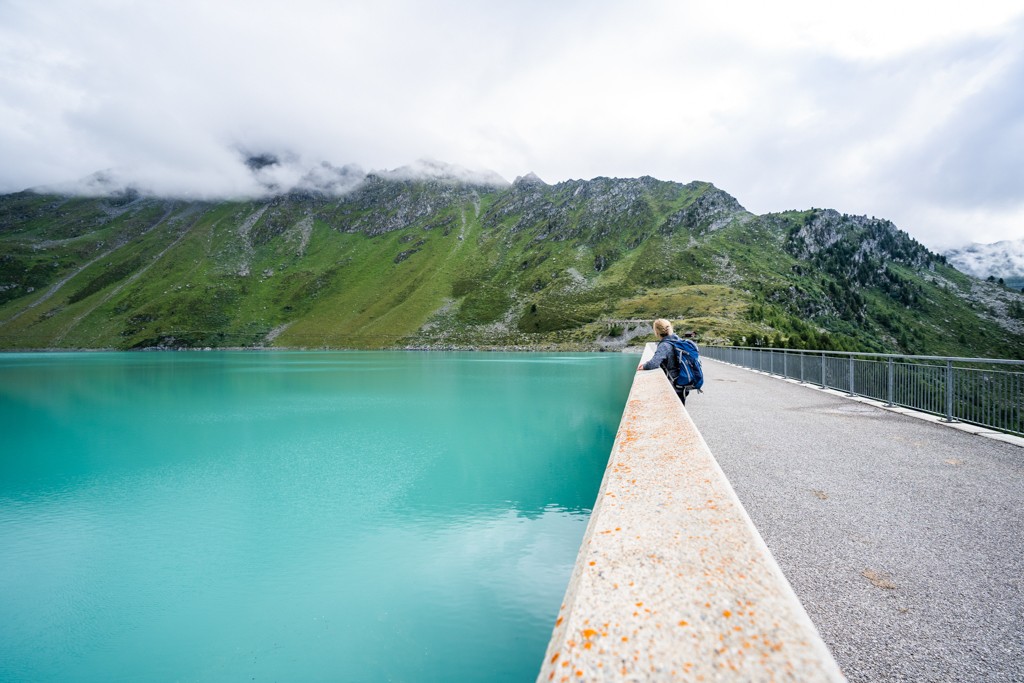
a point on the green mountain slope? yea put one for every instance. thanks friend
(449, 264)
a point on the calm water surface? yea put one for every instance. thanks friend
(294, 516)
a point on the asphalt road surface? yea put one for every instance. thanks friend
(903, 539)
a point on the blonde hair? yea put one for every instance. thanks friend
(662, 327)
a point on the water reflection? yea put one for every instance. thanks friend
(392, 516)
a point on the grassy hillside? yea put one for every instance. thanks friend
(443, 264)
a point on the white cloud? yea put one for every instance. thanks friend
(907, 110)
(953, 228)
(1002, 259)
(867, 30)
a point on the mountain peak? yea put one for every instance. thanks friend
(432, 169)
(529, 179)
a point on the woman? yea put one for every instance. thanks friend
(665, 357)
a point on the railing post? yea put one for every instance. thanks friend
(802, 354)
(824, 384)
(949, 391)
(892, 380)
(785, 365)
(851, 376)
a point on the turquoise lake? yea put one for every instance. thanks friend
(294, 516)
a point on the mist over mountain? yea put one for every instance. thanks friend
(435, 256)
(1003, 260)
(264, 174)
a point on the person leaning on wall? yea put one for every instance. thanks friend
(665, 356)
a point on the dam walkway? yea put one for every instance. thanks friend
(903, 538)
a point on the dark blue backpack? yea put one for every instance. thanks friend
(691, 374)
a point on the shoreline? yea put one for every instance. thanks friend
(257, 349)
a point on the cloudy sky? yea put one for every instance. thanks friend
(907, 110)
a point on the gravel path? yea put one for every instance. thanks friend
(903, 539)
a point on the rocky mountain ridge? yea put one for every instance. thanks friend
(443, 259)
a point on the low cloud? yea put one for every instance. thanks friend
(433, 169)
(267, 174)
(1002, 259)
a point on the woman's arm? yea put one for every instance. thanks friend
(660, 355)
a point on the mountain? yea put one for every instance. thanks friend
(1003, 260)
(433, 257)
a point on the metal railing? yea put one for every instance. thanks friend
(983, 391)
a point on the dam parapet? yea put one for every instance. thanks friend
(672, 580)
